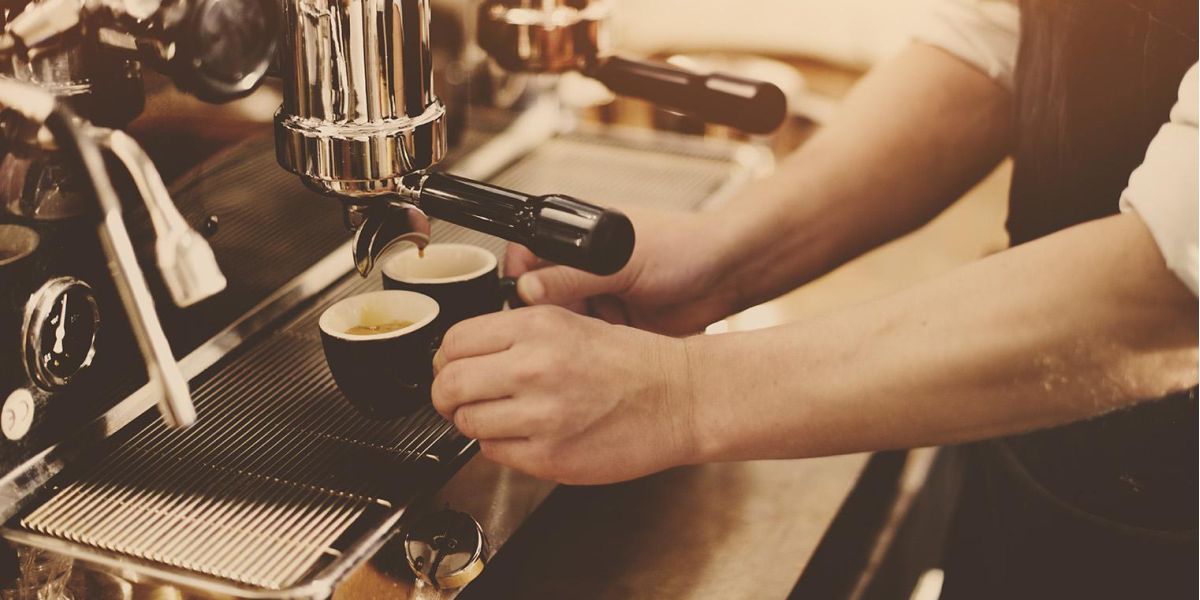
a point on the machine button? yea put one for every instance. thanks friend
(16, 416)
(446, 549)
(61, 322)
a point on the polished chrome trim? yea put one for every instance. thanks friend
(18, 485)
(186, 261)
(320, 586)
(545, 36)
(358, 106)
(37, 310)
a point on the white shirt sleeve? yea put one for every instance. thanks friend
(984, 33)
(1163, 190)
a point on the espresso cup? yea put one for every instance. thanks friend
(384, 375)
(464, 279)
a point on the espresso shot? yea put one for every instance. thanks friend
(463, 278)
(379, 347)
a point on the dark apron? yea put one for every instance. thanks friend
(1106, 508)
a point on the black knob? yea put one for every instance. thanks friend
(750, 105)
(223, 48)
(558, 228)
(572, 232)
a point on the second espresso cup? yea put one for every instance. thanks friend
(385, 374)
(464, 279)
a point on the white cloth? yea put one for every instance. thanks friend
(984, 33)
(1162, 190)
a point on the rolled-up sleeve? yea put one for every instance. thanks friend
(983, 33)
(1163, 189)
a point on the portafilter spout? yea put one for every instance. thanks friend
(359, 121)
(379, 227)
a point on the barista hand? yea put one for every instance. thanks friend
(567, 397)
(675, 282)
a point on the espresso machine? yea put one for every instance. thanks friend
(121, 291)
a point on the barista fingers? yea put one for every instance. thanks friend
(1070, 325)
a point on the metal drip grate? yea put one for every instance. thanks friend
(280, 482)
(277, 468)
(608, 170)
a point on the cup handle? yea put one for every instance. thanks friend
(508, 291)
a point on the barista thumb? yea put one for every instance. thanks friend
(562, 286)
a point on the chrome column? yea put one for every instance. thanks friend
(359, 110)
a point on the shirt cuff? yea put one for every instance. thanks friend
(983, 33)
(1163, 190)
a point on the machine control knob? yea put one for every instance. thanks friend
(61, 322)
(222, 47)
(446, 549)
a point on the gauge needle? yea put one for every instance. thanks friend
(61, 331)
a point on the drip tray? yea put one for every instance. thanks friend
(281, 488)
(264, 489)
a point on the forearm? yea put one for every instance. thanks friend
(1064, 328)
(911, 137)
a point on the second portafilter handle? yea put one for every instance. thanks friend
(751, 105)
(558, 36)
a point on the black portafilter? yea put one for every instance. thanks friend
(558, 228)
(750, 105)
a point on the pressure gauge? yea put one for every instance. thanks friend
(61, 321)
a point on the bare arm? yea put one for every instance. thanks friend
(1068, 327)
(911, 137)
(1063, 328)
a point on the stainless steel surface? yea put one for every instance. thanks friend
(40, 575)
(276, 470)
(184, 258)
(358, 105)
(239, 185)
(446, 549)
(380, 227)
(43, 354)
(630, 167)
(36, 105)
(16, 243)
(271, 426)
(175, 402)
(36, 28)
(39, 187)
(62, 70)
(545, 36)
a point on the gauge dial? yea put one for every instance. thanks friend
(61, 322)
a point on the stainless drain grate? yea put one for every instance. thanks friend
(616, 171)
(281, 483)
(275, 471)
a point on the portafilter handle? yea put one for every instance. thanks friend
(558, 228)
(750, 105)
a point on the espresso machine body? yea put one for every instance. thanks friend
(119, 293)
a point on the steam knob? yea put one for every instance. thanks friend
(222, 47)
(446, 549)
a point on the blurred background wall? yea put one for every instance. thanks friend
(853, 33)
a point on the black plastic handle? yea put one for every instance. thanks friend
(747, 104)
(558, 228)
